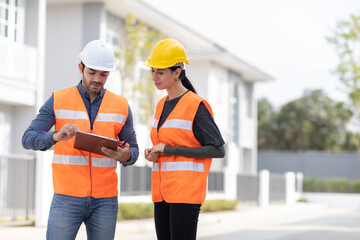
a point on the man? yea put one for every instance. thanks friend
(85, 184)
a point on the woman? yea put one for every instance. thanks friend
(185, 138)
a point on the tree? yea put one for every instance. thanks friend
(266, 119)
(312, 122)
(346, 39)
(135, 44)
(352, 142)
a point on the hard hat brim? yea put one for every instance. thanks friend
(101, 68)
(161, 66)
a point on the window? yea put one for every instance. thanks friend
(249, 99)
(10, 13)
(112, 38)
(247, 164)
(235, 115)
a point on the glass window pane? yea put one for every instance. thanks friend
(16, 3)
(6, 31)
(15, 35)
(1, 12)
(6, 14)
(16, 15)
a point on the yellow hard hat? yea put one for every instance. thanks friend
(167, 53)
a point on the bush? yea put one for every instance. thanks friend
(135, 211)
(331, 185)
(218, 205)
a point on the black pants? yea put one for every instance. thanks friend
(176, 221)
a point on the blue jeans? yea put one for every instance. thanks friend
(67, 214)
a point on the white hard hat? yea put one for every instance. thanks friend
(98, 55)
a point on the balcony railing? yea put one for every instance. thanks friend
(17, 188)
(18, 62)
(18, 73)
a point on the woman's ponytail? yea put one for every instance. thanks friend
(184, 80)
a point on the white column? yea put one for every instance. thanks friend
(264, 185)
(230, 184)
(44, 187)
(231, 171)
(41, 45)
(299, 185)
(290, 196)
(299, 182)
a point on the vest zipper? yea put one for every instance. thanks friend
(159, 167)
(90, 165)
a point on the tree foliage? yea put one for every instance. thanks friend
(346, 40)
(312, 122)
(135, 44)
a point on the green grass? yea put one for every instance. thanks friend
(135, 211)
(218, 205)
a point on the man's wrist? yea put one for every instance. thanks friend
(53, 136)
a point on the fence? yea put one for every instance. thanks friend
(264, 188)
(17, 188)
(277, 188)
(137, 181)
(248, 188)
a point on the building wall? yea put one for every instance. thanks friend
(63, 45)
(67, 36)
(6, 118)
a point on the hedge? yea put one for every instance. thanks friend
(338, 185)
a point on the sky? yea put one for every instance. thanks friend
(284, 38)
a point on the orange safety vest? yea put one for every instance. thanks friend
(178, 179)
(80, 173)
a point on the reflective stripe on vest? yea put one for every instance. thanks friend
(182, 166)
(111, 117)
(177, 123)
(70, 160)
(155, 123)
(70, 114)
(155, 167)
(104, 162)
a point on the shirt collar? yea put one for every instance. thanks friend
(84, 93)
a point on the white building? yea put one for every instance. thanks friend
(34, 68)
(22, 46)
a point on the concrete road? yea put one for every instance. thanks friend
(301, 221)
(298, 222)
(326, 216)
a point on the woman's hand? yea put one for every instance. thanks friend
(121, 154)
(151, 156)
(159, 148)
